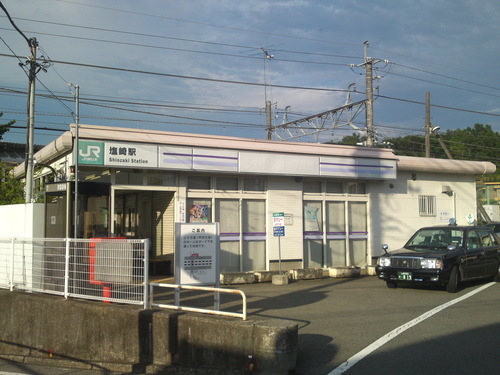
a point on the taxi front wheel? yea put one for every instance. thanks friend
(452, 285)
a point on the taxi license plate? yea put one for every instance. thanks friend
(404, 276)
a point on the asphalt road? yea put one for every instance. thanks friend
(338, 318)
(437, 332)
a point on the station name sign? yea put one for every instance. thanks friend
(118, 154)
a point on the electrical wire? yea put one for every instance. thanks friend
(253, 48)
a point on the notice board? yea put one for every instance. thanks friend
(197, 253)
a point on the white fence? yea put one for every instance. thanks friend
(109, 270)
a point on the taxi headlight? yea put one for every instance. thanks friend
(431, 263)
(384, 261)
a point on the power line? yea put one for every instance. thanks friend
(442, 84)
(446, 76)
(186, 77)
(211, 25)
(440, 106)
(180, 49)
(249, 83)
(240, 46)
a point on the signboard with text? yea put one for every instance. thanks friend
(130, 155)
(197, 253)
(279, 224)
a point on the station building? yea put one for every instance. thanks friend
(340, 203)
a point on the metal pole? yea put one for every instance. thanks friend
(75, 155)
(66, 269)
(31, 123)
(12, 259)
(370, 140)
(269, 130)
(279, 251)
(428, 125)
(146, 290)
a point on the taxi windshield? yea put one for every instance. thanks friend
(436, 239)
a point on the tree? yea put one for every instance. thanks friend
(479, 143)
(6, 127)
(11, 189)
(352, 140)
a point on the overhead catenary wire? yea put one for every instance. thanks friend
(239, 46)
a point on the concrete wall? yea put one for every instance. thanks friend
(22, 220)
(46, 329)
(394, 205)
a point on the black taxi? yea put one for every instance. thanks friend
(445, 255)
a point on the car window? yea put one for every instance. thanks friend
(436, 238)
(487, 239)
(473, 241)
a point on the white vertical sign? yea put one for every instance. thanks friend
(197, 253)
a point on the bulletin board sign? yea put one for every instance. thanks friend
(197, 253)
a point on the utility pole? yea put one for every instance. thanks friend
(428, 125)
(448, 154)
(368, 65)
(269, 124)
(370, 133)
(30, 130)
(30, 127)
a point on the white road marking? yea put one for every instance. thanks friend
(395, 332)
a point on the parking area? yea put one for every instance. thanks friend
(338, 318)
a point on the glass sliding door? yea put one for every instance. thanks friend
(254, 235)
(227, 213)
(335, 234)
(313, 234)
(358, 233)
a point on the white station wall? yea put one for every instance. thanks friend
(395, 212)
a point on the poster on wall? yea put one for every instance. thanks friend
(198, 213)
(311, 222)
(196, 253)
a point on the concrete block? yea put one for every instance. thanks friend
(345, 271)
(306, 273)
(128, 339)
(280, 279)
(265, 276)
(237, 278)
(370, 270)
(274, 346)
(205, 341)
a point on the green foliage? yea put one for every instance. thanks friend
(478, 143)
(11, 189)
(352, 140)
(5, 128)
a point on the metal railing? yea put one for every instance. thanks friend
(104, 269)
(177, 306)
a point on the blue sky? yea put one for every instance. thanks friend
(446, 47)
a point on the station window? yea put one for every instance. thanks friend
(427, 205)
(253, 184)
(199, 183)
(129, 177)
(334, 187)
(312, 186)
(356, 188)
(227, 183)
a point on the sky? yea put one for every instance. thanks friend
(209, 66)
